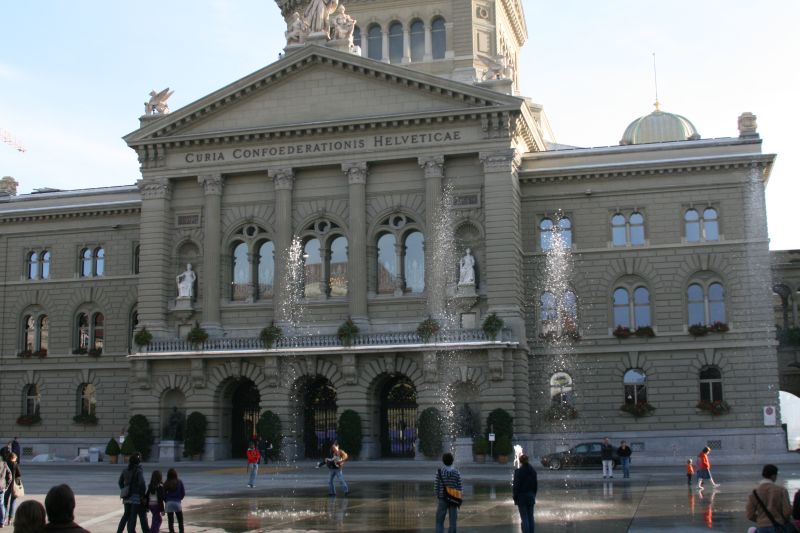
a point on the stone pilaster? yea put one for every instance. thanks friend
(212, 235)
(433, 168)
(503, 256)
(283, 181)
(356, 173)
(155, 289)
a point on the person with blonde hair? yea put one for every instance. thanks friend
(30, 518)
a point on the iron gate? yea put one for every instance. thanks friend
(319, 417)
(244, 416)
(399, 418)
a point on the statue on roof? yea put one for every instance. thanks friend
(318, 14)
(343, 25)
(296, 29)
(158, 103)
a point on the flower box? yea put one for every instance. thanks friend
(718, 327)
(622, 332)
(88, 420)
(645, 331)
(698, 330)
(638, 409)
(28, 420)
(716, 408)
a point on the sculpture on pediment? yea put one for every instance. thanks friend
(158, 102)
(318, 14)
(498, 68)
(296, 29)
(185, 281)
(466, 266)
(343, 25)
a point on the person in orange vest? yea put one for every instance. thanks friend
(253, 456)
(689, 471)
(704, 468)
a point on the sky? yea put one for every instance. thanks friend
(74, 75)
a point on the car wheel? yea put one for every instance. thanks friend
(555, 464)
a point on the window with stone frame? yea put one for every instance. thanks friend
(710, 384)
(324, 260)
(38, 264)
(701, 225)
(87, 399)
(31, 400)
(632, 307)
(36, 333)
(135, 265)
(400, 256)
(635, 384)
(252, 260)
(561, 389)
(357, 36)
(396, 43)
(627, 229)
(438, 38)
(90, 331)
(375, 42)
(133, 324)
(705, 301)
(92, 262)
(559, 313)
(555, 235)
(417, 38)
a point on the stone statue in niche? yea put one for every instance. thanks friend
(318, 14)
(296, 29)
(343, 25)
(185, 281)
(174, 428)
(466, 266)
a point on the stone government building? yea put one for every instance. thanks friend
(348, 145)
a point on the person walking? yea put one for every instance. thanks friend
(624, 452)
(524, 490)
(607, 457)
(446, 477)
(6, 479)
(704, 468)
(174, 492)
(155, 500)
(253, 457)
(14, 490)
(133, 491)
(336, 465)
(689, 471)
(768, 504)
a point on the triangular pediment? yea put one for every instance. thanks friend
(317, 87)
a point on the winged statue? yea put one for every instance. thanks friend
(158, 103)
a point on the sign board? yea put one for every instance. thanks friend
(491, 437)
(770, 415)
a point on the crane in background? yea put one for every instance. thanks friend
(12, 141)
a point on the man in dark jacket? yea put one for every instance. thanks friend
(133, 491)
(60, 506)
(524, 489)
(607, 456)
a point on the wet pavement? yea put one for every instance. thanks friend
(396, 496)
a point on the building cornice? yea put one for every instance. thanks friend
(38, 214)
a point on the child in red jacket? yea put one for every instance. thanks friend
(253, 456)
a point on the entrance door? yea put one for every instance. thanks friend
(398, 418)
(244, 416)
(319, 417)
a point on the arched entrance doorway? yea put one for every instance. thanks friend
(398, 400)
(318, 404)
(245, 410)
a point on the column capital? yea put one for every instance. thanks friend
(212, 183)
(432, 165)
(501, 161)
(356, 172)
(153, 189)
(282, 178)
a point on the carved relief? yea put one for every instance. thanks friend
(433, 166)
(356, 172)
(212, 183)
(155, 189)
(501, 161)
(282, 178)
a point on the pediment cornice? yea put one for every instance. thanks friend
(42, 214)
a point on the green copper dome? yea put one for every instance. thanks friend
(659, 127)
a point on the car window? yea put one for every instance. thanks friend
(596, 447)
(582, 448)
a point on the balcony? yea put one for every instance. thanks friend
(460, 339)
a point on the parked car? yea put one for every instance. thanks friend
(583, 454)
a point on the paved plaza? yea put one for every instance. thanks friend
(396, 496)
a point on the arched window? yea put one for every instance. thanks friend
(438, 38)
(45, 269)
(387, 264)
(132, 327)
(549, 313)
(30, 334)
(357, 36)
(375, 42)
(43, 327)
(266, 269)
(546, 228)
(33, 265)
(627, 230)
(312, 269)
(86, 263)
(32, 399)
(240, 286)
(136, 250)
(395, 42)
(90, 333)
(556, 235)
(632, 307)
(87, 397)
(635, 382)
(83, 332)
(710, 384)
(561, 389)
(98, 327)
(338, 268)
(93, 262)
(414, 262)
(705, 228)
(559, 313)
(417, 41)
(252, 264)
(99, 261)
(565, 232)
(705, 303)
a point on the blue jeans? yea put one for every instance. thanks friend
(443, 510)
(3, 510)
(338, 474)
(253, 469)
(526, 513)
(626, 466)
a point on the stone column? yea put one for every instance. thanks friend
(449, 46)
(503, 268)
(156, 276)
(212, 235)
(385, 43)
(433, 168)
(356, 173)
(283, 181)
(406, 46)
(428, 44)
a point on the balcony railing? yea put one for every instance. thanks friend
(463, 338)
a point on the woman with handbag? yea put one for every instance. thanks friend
(768, 505)
(16, 490)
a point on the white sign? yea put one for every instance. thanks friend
(491, 437)
(770, 415)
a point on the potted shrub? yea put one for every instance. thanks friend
(480, 447)
(492, 325)
(716, 408)
(113, 451)
(140, 434)
(638, 409)
(644, 331)
(698, 330)
(128, 449)
(270, 335)
(503, 448)
(500, 422)
(430, 432)
(719, 327)
(143, 337)
(194, 443)
(347, 332)
(269, 428)
(349, 433)
(85, 419)
(427, 329)
(622, 332)
(197, 336)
